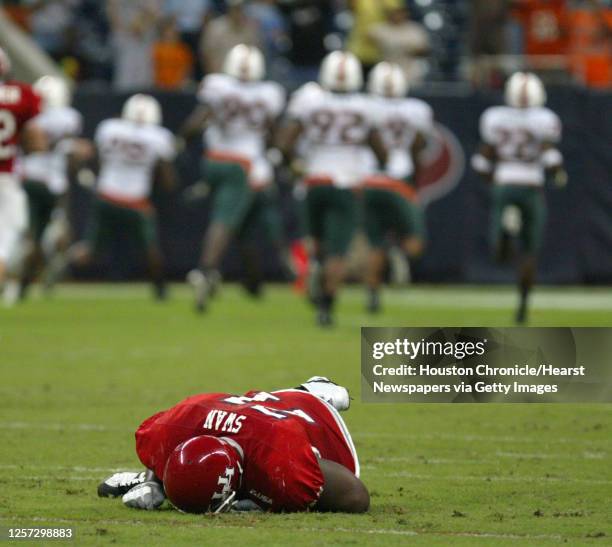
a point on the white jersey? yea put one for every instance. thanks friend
(518, 136)
(336, 130)
(300, 99)
(128, 154)
(399, 121)
(60, 125)
(242, 113)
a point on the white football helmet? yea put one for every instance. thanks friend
(341, 71)
(142, 109)
(5, 63)
(388, 80)
(245, 63)
(54, 91)
(525, 90)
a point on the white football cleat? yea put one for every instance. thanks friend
(331, 393)
(148, 495)
(120, 483)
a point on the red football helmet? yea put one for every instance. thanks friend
(203, 474)
(5, 64)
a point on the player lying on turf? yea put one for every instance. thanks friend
(287, 450)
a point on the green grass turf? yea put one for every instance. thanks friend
(80, 371)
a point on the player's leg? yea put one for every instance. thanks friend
(313, 216)
(55, 245)
(411, 229)
(533, 211)
(375, 229)
(13, 224)
(143, 227)
(252, 276)
(232, 198)
(98, 235)
(272, 223)
(40, 206)
(499, 239)
(339, 228)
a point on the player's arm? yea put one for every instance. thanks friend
(342, 492)
(286, 139)
(195, 124)
(553, 164)
(165, 175)
(377, 144)
(416, 151)
(33, 138)
(483, 161)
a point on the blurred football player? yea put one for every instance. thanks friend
(286, 450)
(330, 129)
(19, 105)
(390, 196)
(237, 114)
(46, 179)
(133, 152)
(518, 151)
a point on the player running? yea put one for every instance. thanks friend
(19, 104)
(287, 450)
(46, 180)
(133, 152)
(390, 197)
(237, 114)
(329, 130)
(519, 150)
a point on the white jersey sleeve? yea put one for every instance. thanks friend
(491, 122)
(547, 124)
(164, 144)
(212, 87)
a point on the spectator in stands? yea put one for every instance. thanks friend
(133, 28)
(272, 25)
(191, 18)
(50, 23)
(487, 40)
(308, 22)
(227, 31)
(545, 27)
(402, 41)
(367, 15)
(591, 43)
(172, 58)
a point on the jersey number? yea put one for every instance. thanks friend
(343, 127)
(518, 144)
(262, 396)
(8, 128)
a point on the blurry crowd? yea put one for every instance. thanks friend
(170, 44)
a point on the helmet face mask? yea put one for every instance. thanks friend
(341, 72)
(54, 91)
(203, 475)
(143, 110)
(388, 80)
(525, 90)
(245, 63)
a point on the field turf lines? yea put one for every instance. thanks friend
(81, 370)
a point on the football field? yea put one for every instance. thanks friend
(80, 371)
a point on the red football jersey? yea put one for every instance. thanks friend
(279, 435)
(18, 104)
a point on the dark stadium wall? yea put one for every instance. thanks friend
(578, 242)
